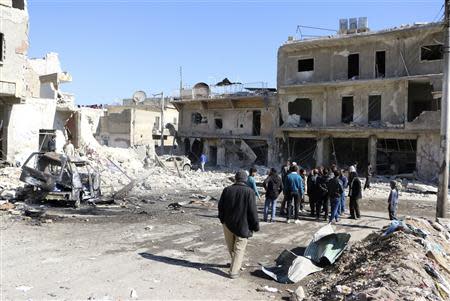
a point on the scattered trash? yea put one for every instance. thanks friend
(299, 294)
(133, 294)
(24, 288)
(268, 289)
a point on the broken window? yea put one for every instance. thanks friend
(347, 109)
(219, 123)
(20, 4)
(157, 122)
(196, 118)
(2, 43)
(305, 65)
(301, 107)
(420, 99)
(431, 52)
(380, 64)
(256, 123)
(374, 108)
(353, 65)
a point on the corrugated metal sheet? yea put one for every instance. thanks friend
(328, 248)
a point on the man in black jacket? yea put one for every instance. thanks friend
(239, 217)
(354, 193)
(322, 194)
(273, 186)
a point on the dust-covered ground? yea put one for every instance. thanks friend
(142, 249)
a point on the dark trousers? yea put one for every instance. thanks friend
(392, 212)
(367, 184)
(283, 203)
(312, 204)
(335, 206)
(354, 208)
(322, 204)
(295, 196)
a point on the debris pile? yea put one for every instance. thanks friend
(407, 261)
(10, 183)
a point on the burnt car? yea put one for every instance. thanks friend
(56, 177)
(183, 162)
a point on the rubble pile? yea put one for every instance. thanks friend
(408, 261)
(10, 183)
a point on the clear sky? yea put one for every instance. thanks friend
(115, 47)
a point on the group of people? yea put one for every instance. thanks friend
(325, 187)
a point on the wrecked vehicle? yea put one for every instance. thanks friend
(183, 162)
(56, 177)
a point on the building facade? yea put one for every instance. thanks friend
(32, 106)
(368, 97)
(234, 129)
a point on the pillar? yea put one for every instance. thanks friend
(372, 155)
(319, 151)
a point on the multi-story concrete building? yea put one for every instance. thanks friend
(363, 97)
(32, 106)
(234, 128)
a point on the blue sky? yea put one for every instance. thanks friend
(115, 47)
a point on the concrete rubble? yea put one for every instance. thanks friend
(411, 263)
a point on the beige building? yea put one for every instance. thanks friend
(32, 106)
(134, 124)
(364, 96)
(232, 129)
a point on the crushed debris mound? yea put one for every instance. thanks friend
(408, 261)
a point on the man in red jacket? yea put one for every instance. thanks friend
(239, 217)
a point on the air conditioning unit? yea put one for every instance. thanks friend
(353, 24)
(343, 26)
(362, 24)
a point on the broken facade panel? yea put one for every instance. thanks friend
(366, 89)
(231, 129)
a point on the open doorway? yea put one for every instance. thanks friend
(349, 151)
(256, 123)
(303, 151)
(213, 155)
(196, 151)
(396, 156)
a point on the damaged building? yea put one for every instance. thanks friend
(363, 96)
(32, 106)
(233, 126)
(139, 123)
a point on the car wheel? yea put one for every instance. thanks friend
(186, 167)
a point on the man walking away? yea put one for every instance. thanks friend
(368, 176)
(251, 182)
(393, 201)
(344, 181)
(203, 160)
(239, 217)
(355, 194)
(295, 189)
(335, 191)
(273, 186)
(312, 190)
(284, 172)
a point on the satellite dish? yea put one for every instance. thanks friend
(139, 96)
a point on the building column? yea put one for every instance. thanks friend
(221, 155)
(320, 151)
(372, 155)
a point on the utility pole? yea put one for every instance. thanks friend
(181, 83)
(162, 122)
(442, 201)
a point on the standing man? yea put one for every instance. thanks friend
(273, 186)
(368, 176)
(335, 191)
(284, 172)
(355, 193)
(393, 201)
(203, 160)
(322, 194)
(344, 182)
(312, 190)
(251, 182)
(239, 217)
(295, 190)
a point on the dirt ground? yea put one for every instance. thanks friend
(148, 251)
